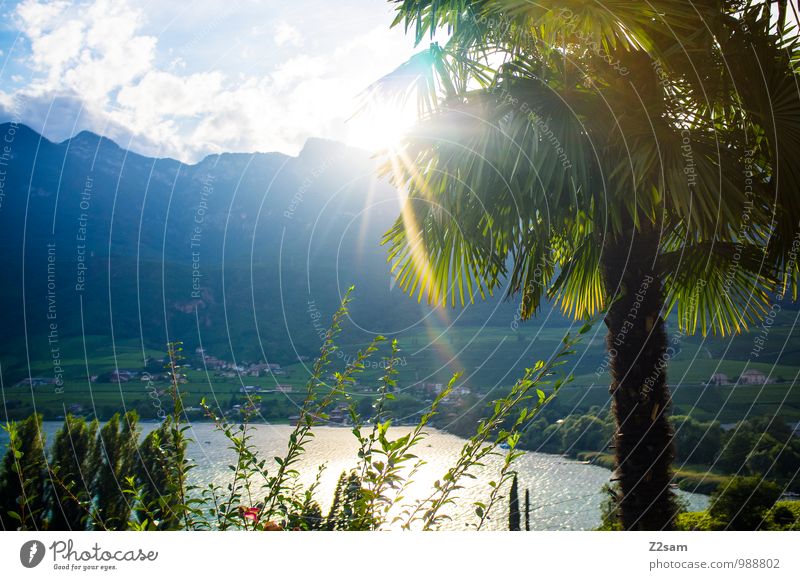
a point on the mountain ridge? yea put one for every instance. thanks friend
(86, 135)
(237, 246)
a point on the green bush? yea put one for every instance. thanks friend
(784, 515)
(584, 433)
(742, 504)
(609, 509)
(697, 521)
(696, 442)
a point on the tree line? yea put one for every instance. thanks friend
(93, 478)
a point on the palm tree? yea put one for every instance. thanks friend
(635, 159)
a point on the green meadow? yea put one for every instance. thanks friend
(489, 359)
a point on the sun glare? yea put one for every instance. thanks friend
(380, 126)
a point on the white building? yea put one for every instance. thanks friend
(753, 377)
(719, 379)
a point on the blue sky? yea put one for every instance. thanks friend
(185, 79)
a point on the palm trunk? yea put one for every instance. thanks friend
(637, 348)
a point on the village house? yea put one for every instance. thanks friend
(212, 362)
(719, 379)
(753, 377)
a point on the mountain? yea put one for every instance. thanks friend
(106, 254)
(246, 254)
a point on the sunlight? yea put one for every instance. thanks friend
(380, 125)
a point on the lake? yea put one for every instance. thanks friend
(565, 494)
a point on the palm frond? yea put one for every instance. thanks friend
(721, 287)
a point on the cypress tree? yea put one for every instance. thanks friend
(513, 507)
(115, 454)
(311, 516)
(348, 508)
(162, 456)
(72, 470)
(334, 514)
(527, 510)
(22, 497)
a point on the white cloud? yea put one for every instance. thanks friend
(298, 68)
(38, 16)
(286, 34)
(160, 94)
(91, 50)
(55, 49)
(93, 67)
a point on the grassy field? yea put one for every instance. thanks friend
(693, 478)
(489, 358)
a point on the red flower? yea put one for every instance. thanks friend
(249, 514)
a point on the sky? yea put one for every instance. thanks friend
(191, 78)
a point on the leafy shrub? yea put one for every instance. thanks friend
(697, 522)
(585, 433)
(609, 509)
(742, 504)
(784, 515)
(695, 441)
